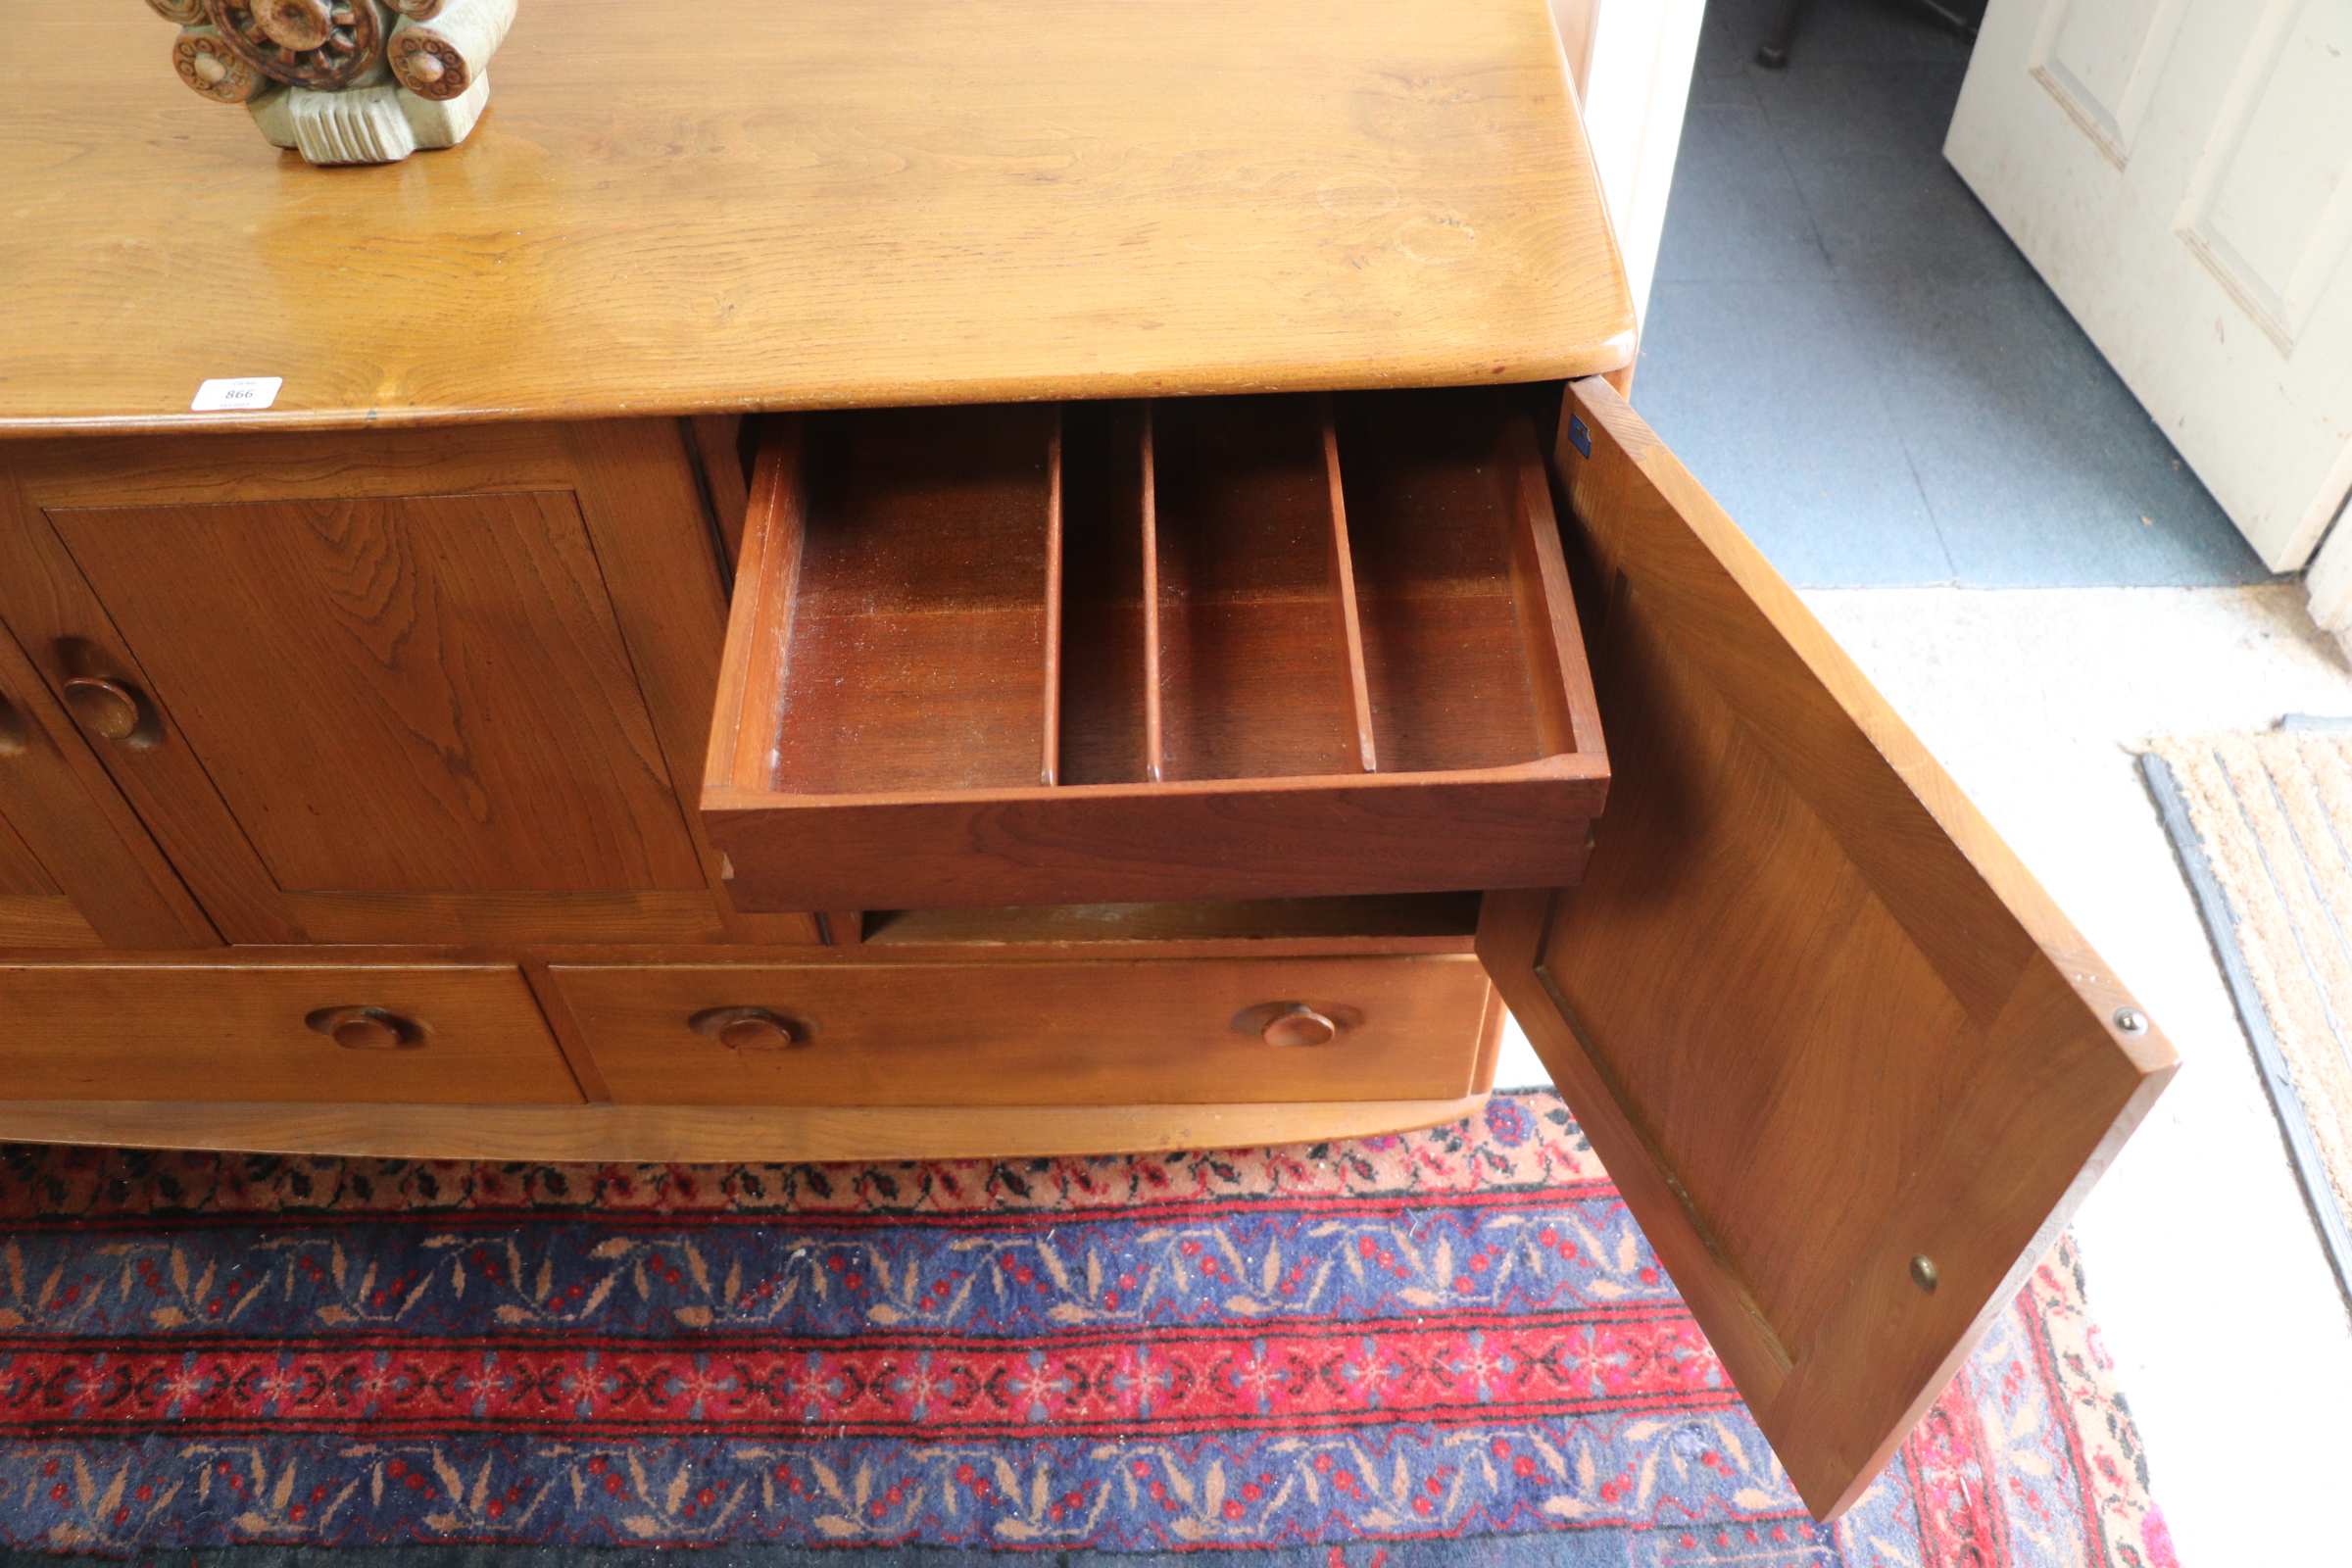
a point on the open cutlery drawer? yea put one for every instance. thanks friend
(1220, 648)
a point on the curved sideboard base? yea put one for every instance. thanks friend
(786, 1134)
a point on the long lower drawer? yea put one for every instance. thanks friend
(439, 1035)
(1166, 1032)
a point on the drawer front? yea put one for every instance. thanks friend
(390, 1035)
(1177, 1032)
(1227, 648)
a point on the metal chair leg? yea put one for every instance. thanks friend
(1951, 20)
(1775, 50)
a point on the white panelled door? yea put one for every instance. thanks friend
(2180, 174)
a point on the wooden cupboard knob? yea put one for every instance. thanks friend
(755, 1034)
(1296, 1024)
(107, 708)
(367, 1028)
(364, 1033)
(1300, 1025)
(753, 1028)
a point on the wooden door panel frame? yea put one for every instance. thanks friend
(375, 652)
(2028, 1051)
(634, 483)
(58, 798)
(647, 523)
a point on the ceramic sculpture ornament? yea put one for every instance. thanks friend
(344, 82)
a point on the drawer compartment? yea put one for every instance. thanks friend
(449, 1033)
(1172, 1032)
(1224, 648)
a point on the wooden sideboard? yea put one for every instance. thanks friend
(991, 577)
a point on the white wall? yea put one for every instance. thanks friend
(1631, 60)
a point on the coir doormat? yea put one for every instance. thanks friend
(1442, 1347)
(2263, 825)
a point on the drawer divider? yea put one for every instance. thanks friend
(1567, 713)
(1348, 619)
(1050, 765)
(1154, 733)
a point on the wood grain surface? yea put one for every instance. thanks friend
(914, 650)
(33, 912)
(229, 1032)
(77, 867)
(21, 875)
(1470, 634)
(839, 203)
(1437, 921)
(1030, 1034)
(1386, 925)
(1813, 1014)
(387, 712)
(733, 1132)
(1254, 666)
(1105, 733)
(1347, 625)
(637, 496)
(1126, 843)
(880, 717)
(412, 695)
(726, 476)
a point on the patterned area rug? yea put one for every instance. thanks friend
(1441, 1348)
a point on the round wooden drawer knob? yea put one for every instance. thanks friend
(367, 1028)
(757, 1033)
(1300, 1025)
(752, 1028)
(107, 708)
(364, 1033)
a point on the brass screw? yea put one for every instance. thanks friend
(1922, 1272)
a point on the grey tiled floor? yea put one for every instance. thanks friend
(1849, 353)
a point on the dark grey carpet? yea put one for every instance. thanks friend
(1850, 353)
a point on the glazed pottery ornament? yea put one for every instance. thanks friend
(344, 82)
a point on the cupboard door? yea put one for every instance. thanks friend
(75, 868)
(35, 911)
(1849, 1066)
(377, 689)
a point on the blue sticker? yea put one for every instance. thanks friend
(1580, 435)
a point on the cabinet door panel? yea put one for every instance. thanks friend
(1849, 1066)
(75, 868)
(21, 875)
(34, 913)
(402, 696)
(372, 709)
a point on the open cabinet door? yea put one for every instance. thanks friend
(1849, 1066)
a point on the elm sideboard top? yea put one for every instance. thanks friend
(688, 210)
